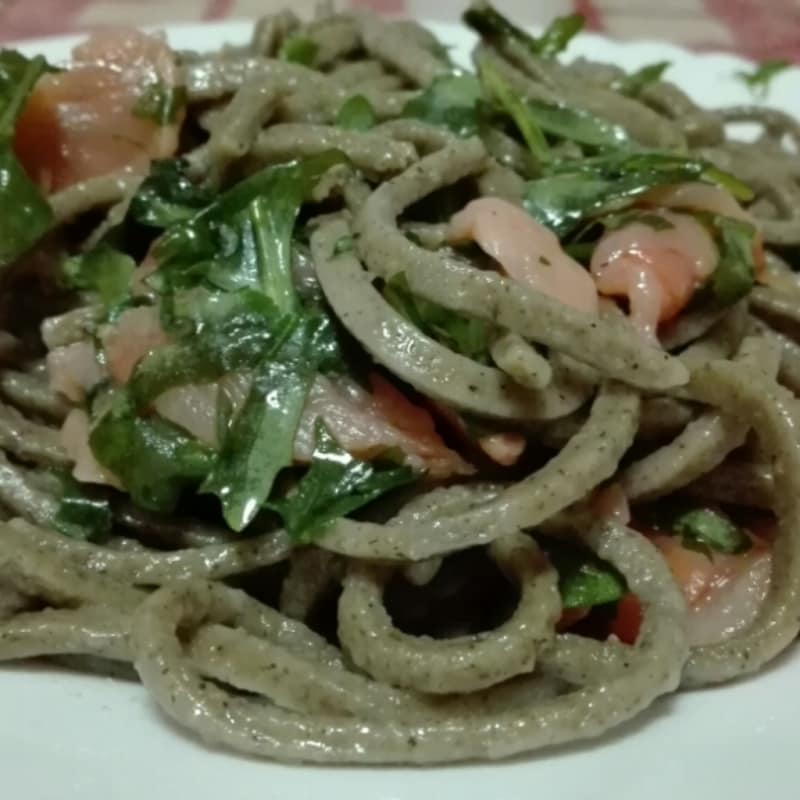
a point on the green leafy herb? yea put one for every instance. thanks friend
(559, 34)
(261, 441)
(154, 459)
(103, 270)
(491, 24)
(298, 50)
(18, 75)
(759, 79)
(575, 191)
(576, 125)
(25, 214)
(357, 114)
(161, 103)
(451, 101)
(465, 335)
(583, 579)
(524, 118)
(81, 513)
(243, 239)
(704, 529)
(709, 531)
(167, 196)
(335, 485)
(221, 333)
(735, 273)
(633, 83)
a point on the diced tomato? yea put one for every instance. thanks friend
(628, 620)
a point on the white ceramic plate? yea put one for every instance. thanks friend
(65, 736)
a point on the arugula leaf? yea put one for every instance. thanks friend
(519, 111)
(559, 34)
(161, 103)
(228, 332)
(465, 335)
(706, 530)
(576, 125)
(735, 273)
(81, 513)
(167, 196)
(583, 579)
(154, 459)
(298, 50)
(491, 24)
(632, 84)
(356, 114)
(18, 76)
(759, 79)
(103, 270)
(25, 214)
(260, 443)
(336, 484)
(575, 191)
(243, 239)
(451, 101)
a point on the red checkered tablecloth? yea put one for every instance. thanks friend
(756, 28)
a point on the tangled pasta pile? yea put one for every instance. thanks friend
(378, 411)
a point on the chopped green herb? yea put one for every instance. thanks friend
(25, 214)
(161, 103)
(632, 84)
(260, 443)
(558, 34)
(18, 76)
(298, 50)
(759, 79)
(583, 579)
(243, 239)
(710, 531)
(491, 24)
(576, 125)
(451, 101)
(167, 196)
(103, 270)
(465, 335)
(357, 114)
(735, 273)
(82, 514)
(221, 333)
(335, 485)
(519, 111)
(704, 529)
(575, 191)
(154, 459)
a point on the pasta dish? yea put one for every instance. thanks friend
(370, 408)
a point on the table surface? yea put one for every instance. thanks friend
(759, 29)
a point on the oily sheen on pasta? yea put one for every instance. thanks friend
(370, 409)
